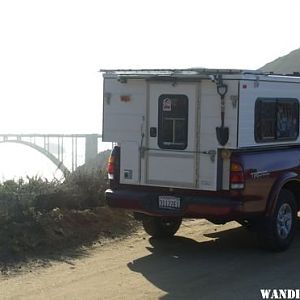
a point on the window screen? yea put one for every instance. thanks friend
(172, 121)
(276, 119)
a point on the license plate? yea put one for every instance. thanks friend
(169, 202)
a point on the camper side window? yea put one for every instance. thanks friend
(172, 121)
(276, 119)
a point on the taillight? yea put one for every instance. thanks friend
(237, 179)
(111, 167)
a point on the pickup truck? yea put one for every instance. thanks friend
(222, 145)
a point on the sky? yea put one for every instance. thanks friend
(51, 51)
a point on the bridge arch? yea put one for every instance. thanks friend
(60, 165)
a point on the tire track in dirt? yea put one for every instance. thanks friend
(203, 261)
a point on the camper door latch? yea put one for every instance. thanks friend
(153, 132)
(211, 153)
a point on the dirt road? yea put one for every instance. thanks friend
(204, 261)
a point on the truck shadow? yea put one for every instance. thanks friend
(230, 266)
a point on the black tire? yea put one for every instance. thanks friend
(159, 227)
(277, 231)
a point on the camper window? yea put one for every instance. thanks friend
(172, 121)
(276, 119)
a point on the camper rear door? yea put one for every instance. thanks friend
(171, 151)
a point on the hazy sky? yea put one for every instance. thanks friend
(51, 51)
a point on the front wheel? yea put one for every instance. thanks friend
(277, 231)
(161, 227)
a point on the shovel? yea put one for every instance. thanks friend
(222, 132)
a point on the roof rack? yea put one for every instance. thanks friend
(191, 73)
(199, 71)
(185, 73)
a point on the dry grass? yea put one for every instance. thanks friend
(37, 215)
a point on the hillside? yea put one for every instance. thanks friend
(287, 64)
(99, 162)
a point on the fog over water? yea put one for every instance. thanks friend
(20, 161)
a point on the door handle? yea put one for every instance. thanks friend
(153, 132)
(211, 153)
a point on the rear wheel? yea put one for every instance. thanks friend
(161, 227)
(277, 231)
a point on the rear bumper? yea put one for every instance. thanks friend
(191, 206)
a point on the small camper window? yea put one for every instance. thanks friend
(172, 121)
(276, 119)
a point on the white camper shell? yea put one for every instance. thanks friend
(177, 128)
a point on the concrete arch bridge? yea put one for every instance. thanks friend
(66, 151)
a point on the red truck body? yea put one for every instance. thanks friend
(266, 172)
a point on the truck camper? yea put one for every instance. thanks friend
(205, 143)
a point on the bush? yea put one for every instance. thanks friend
(35, 212)
(17, 198)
